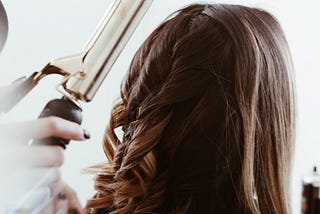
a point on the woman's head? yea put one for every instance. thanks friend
(208, 118)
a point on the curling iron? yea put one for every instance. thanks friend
(84, 73)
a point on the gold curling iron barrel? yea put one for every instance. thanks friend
(85, 72)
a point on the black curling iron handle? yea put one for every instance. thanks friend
(65, 109)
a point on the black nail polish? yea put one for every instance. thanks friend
(86, 134)
(61, 196)
(73, 211)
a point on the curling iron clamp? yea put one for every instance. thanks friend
(85, 72)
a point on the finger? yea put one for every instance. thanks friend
(48, 207)
(40, 155)
(45, 127)
(73, 201)
(61, 206)
(57, 187)
(58, 127)
(61, 188)
(54, 205)
(60, 198)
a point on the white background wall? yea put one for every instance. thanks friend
(41, 30)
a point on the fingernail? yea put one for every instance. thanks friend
(73, 211)
(86, 134)
(62, 196)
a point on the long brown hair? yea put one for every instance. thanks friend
(207, 110)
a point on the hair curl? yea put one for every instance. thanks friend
(207, 110)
